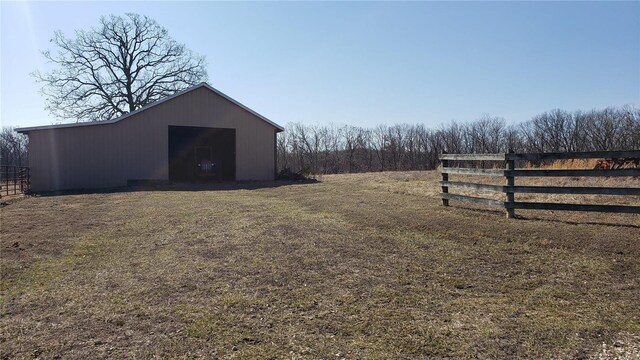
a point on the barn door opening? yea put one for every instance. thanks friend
(202, 154)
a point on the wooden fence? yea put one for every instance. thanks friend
(510, 173)
(14, 180)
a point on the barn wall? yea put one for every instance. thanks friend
(108, 155)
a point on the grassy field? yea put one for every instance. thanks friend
(354, 266)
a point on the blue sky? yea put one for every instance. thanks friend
(365, 63)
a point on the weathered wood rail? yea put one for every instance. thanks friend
(510, 173)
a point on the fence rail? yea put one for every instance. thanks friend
(510, 173)
(14, 180)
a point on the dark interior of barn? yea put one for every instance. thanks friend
(199, 154)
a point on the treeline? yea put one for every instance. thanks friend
(327, 149)
(13, 148)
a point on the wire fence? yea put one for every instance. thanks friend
(14, 180)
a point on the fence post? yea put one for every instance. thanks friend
(510, 181)
(23, 173)
(445, 177)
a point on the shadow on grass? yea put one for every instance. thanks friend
(501, 213)
(574, 222)
(143, 186)
(478, 210)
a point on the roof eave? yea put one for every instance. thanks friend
(26, 130)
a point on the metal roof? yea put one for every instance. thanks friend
(92, 123)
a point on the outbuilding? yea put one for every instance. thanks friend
(198, 134)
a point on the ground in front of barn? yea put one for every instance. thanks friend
(353, 266)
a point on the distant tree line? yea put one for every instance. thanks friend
(328, 149)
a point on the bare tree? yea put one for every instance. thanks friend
(283, 144)
(379, 143)
(364, 144)
(556, 130)
(123, 64)
(631, 118)
(13, 147)
(604, 129)
(328, 149)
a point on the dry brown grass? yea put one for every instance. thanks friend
(568, 164)
(356, 266)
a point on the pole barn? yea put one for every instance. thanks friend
(198, 134)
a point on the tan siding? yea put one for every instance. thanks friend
(137, 147)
